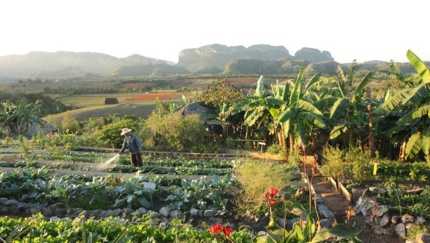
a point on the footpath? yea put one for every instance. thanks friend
(340, 206)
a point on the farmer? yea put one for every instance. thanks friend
(134, 147)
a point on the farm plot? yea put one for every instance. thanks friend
(82, 162)
(69, 180)
(95, 196)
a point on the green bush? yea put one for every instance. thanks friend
(333, 162)
(175, 132)
(274, 149)
(110, 135)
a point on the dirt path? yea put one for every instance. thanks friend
(339, 205)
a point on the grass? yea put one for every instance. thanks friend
(139, 110)
(92, 105)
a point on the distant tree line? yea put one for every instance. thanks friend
(95, 90)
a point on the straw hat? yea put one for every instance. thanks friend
(125, 130)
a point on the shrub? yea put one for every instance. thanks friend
(359, 159)
(175, 131)
(256, 177)
(332, 162)
(274, 149)
(110, 135)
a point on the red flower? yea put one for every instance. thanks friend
(272, 202)
(273, 191)
(270, 196)
(227, 231)
(218, 228)
(215, 229)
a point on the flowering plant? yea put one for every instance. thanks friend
(221, 232)
(270, 198)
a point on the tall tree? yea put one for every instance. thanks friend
(351, 106)
(299, 115)
(413, 105)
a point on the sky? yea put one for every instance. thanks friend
(350, 30)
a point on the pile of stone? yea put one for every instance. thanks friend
(379, 218)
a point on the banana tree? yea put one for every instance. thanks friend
(18, 119)
(413, 106)
(350, 107)
(258, 109)
(297, 115)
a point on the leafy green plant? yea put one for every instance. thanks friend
(333, 163)
(274, 149)
(415, 230)
(359, 159)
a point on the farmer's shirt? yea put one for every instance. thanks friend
(133, 144)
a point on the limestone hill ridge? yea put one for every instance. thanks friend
(210, 59)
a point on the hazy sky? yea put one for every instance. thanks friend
(362, 30)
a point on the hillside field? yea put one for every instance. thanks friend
(140, 104)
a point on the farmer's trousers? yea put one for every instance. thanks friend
(136, 160)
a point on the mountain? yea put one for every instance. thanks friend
(210, 59)
(219, 56)
(49, 65)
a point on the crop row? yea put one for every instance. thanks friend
(112, 229)
(175, 162)
(108, 192)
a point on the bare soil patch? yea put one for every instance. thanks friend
(152, 96)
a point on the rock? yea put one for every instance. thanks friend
(140, 211)
(395, 219)
(420, 220)
(357, 193)
(407, 218)
(116, 212)
(381, 210)
(291, 222)
(422, 238)
(194, 212)
(176, 214)
(209, 213)
(54, 219)
(164, 211)
(400, 230)
(323, 210)
(383, 221)
(326, 223)
(319, 198)
(364, 205)
(383, 230)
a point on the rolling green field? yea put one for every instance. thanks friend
(137, 104)
(93, 105)
(138, 110)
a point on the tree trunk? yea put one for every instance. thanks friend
(292, 144)
(402, 155)
(314, 143)
(369, 110)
